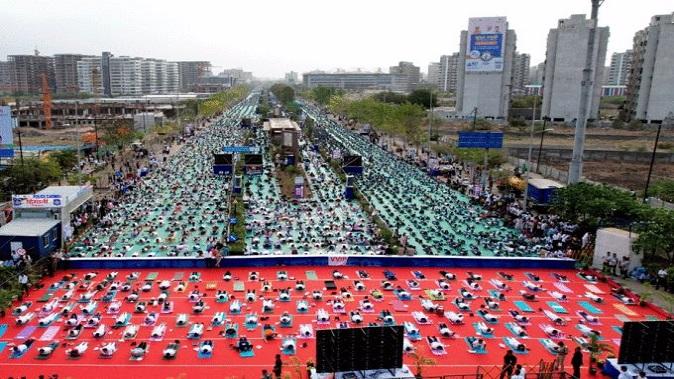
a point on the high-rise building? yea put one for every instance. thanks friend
(238, 74)
(433, 78)
(485, 68)
(564, 64)
(27, 71)
(406, 76)
(536, 74)
(650, 97)
(520, 80)
(191, 72)
(90, 76)
(126, 76)
(105, 69)
(6, 85)
(350, 81)
(292, 77)
(65, 73)
(619, 70)
(449, 69)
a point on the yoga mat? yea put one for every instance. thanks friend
(622, 318)
(556, 307)
(2, 346)
(311, 275)
(652, 318)
(25, 332)
(594, 289)
(239, 286)
(151, 276)
(562, 287)
(617, 329)
(623, 308)
(178, 276)
(3, 329)
(45, 298)
(590, 308)
(523, 306)
(514, 348)
(49, 334)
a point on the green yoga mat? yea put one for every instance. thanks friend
(45, 298)
(523, 306)
(239, 286)
(311, 275)
(151, 276)
(556, 307)
(178, 276)
(590, 308)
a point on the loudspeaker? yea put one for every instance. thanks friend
(647, 342)
(356, 349)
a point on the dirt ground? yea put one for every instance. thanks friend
(628, 175)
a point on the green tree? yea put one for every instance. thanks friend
(663, 190)
(390, 97)
(66, 159)
(423, 97)
(597, 205)
(410, 118)
(31, 176)
(322, 95)
(655, 235)
(284, 93)
(526, 102)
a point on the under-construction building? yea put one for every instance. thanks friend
(26, 72)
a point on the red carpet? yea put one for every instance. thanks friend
(227, 363)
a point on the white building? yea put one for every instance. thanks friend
(484, 77)
(405, 77)
(449, 69)
(126, 77)
(565, 60)
(90, 76)
(650, 90)
(619, 70)
(433, 74)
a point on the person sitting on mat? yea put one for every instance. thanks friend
(268, 332)
(244, 345)
(206, 347)
(435, 344)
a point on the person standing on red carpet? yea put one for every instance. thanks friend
(278, 366)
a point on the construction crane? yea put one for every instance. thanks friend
(46, 102)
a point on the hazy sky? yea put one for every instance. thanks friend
(272, 37)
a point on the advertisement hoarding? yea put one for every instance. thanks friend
(486, 44)
(6, 127)
(37, 201)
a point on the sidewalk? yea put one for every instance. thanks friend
(659, 297)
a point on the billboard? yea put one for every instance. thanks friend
(484, 140)
(485, 46)
(37, 201)
(6, 126)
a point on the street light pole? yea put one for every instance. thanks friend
(531, 139)
(576, 166)
(668, 120)
(540, 147)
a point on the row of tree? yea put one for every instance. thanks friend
(593, 206)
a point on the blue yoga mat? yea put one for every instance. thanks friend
(514, 348)
(471, 348)
(2, 346)
(523, 306)
(590, 308)
(556, 307)
(3, 329)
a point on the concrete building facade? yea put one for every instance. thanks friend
(349, 81)
(650, 89)
(619, 70)
(564, 64)
(433, 77)
(486, 91)
(521, 64)
(126, 76)
(191, 72)
(90, 76)
(26, 72)
(6, 85)
(449, 69)
(536, 73)
(405, 77)
(65, 73)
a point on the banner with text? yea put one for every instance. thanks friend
(37, 201)
(485, 47)
(337, 260)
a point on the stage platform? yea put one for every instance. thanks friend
(612, 369)
(323, 260)
(226, 361)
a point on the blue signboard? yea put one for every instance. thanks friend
(484, 140)
(240, 149)
(6, 126)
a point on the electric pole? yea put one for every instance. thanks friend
(587, 85)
